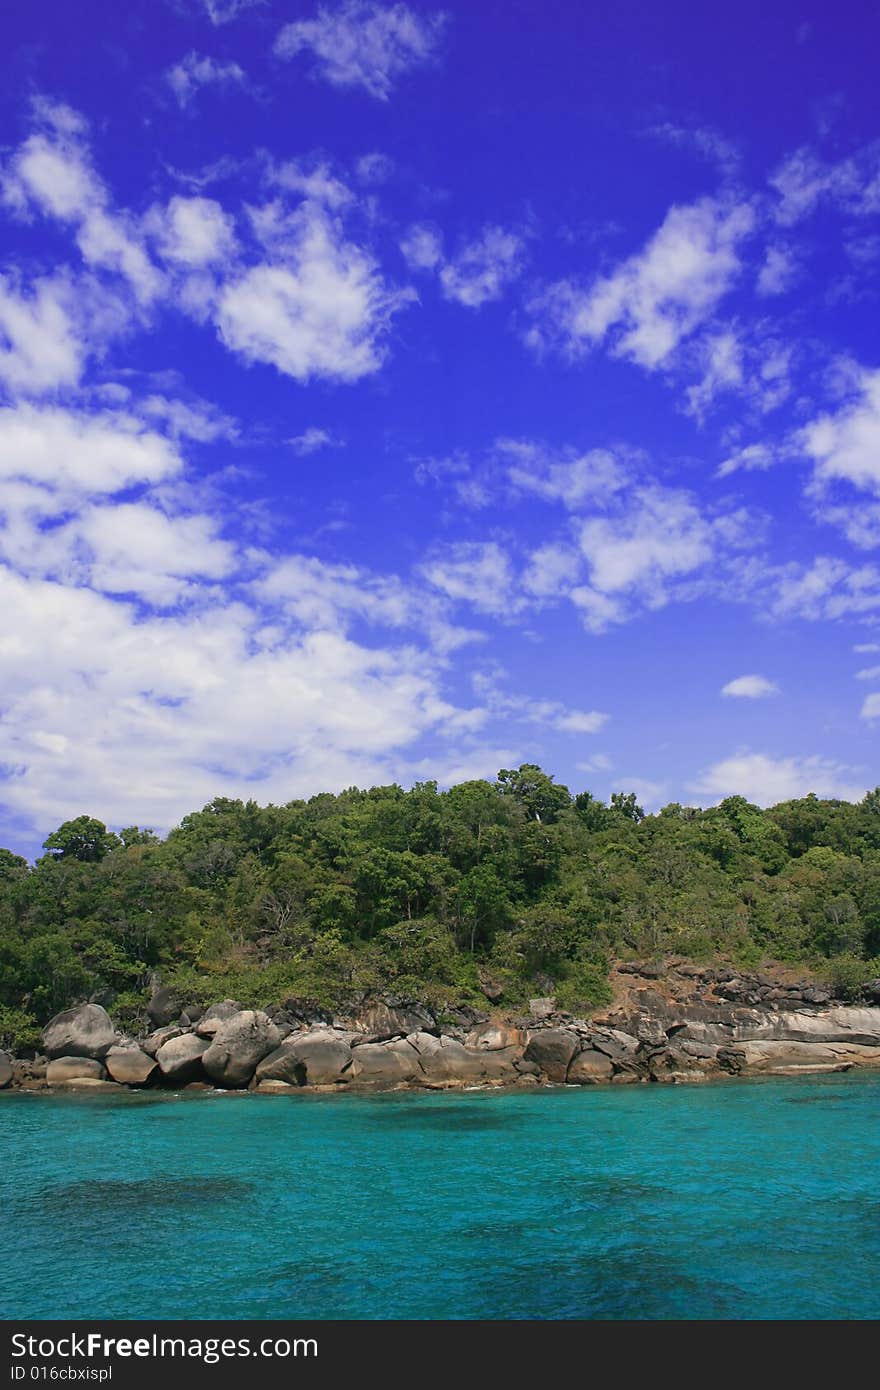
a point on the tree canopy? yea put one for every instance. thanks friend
(429, 893)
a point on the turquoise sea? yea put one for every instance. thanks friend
(754, 1199)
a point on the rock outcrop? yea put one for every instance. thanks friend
(672, 1022)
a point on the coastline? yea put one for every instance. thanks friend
(673, 1023)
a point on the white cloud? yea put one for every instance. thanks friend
(845, 444)
(363, 44)
(374, 167)
(311, 440)
(750, 687)
(565, 476)
(484, 268)
(89, 455)
(40, 349)
(552, 569)
(580, 721)
(752, 457)
(478, 573)
(314, 181)
(422, 247)
(222, 11)
(655, 298)
(778, 271)
(192, 232)
(197, 70)
(768, 780)
(53, 172)
(867, 647)
(599, 762)
(871, 706)
(201, 706)
(704, 141)
(322, 312)
(804, 180)
(870, 673)
(722, 364)
(827, 588)
(662, 534)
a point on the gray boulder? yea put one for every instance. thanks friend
(553, 1050)
(84, 1031)
(311, 1059)
(180, 1059)
(211, 1020)
(447, 1063)
(239, 1045)
(66, 1071)
(589, 1067)
(164, 1006)
(153, 1041)
(386, 1064)
(6, 1072)
(381, 1020)
(130, 1066)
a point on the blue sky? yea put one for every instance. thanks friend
(390, 392)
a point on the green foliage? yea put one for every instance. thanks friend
(420, 891)
(19, 1031)
(85, 839)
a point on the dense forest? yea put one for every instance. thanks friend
(503, 889)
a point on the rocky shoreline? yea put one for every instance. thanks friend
(674, 1022)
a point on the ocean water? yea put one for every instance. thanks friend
(752, 1199)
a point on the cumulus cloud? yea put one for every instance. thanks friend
(481, 270)
(753, 457)
(871, 706)
(52, 172)
(661, 535)
(40, 347)
(484, 268)
(750, 687)
(321, 311)
(804, 180)
(479, 573)
(223, 11)
(422, 247)
(563, 476)
(192, 232)
(312, 180)
(778, 270)
(311, 440)
(845, 444)
(197, 70)
(226, 670)
(825, 588)
(363, 44)
(656, 298)
(767, 780)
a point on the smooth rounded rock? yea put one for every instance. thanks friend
(180, 1059)
(239, 1045)
(130, 1066)
(311, 1059)
(552, 1049)
(65, 1071)
(589, 1068)
(84, 1031)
